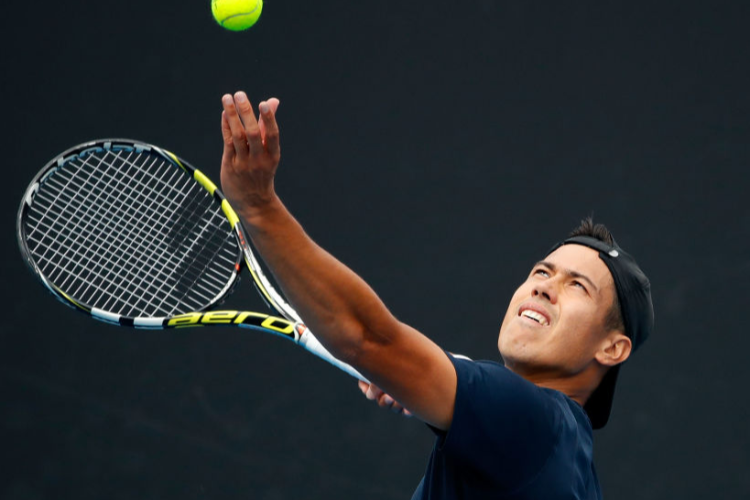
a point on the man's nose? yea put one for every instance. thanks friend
(545, 290)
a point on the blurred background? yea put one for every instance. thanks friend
(437, 148)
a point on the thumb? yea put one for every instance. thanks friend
(273, 105)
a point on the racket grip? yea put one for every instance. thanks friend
(309, 342)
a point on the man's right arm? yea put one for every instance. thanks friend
(343, 311)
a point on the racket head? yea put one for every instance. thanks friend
(104, 219)
(129, 233)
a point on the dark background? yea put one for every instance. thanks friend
(438, 148)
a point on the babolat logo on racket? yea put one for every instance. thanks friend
(239, 318)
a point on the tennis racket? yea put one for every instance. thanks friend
(132, 235)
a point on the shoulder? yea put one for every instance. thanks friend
(520, 434)
(496, 406)
(493, 383)
(569, 468)
(573, 412)
(504, 427)
(499, 389)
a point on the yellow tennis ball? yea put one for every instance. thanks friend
(236, 15)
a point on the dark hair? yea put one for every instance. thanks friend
(614, 320)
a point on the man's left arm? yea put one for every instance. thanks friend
(343, 311)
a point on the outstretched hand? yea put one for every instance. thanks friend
(251, 153)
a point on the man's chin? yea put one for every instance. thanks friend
(516, 354)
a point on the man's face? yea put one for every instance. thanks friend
(555, 320)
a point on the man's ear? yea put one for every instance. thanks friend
(615, 349)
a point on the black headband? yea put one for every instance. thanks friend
(633, 287)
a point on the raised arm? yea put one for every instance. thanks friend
(343, 311)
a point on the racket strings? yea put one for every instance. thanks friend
(132, 234)
(115, 242)
(77, 230)
(161, 229)
(142, 211)
(87, 223)
(93, 223)
(130, 227)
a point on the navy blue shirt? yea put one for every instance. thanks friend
(510, 439)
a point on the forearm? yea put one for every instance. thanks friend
(335, 303)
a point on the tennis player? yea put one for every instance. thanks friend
(521, 430)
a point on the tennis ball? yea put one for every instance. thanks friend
(236, 15)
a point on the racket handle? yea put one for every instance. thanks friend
(309, 342)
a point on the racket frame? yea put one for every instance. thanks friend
(288, 325)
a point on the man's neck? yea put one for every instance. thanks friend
(577, 387)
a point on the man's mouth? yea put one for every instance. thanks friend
(535, 316)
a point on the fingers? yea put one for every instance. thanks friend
(388, 402)
(374, 393)
(273, 103)
(226, 133)
(250, 136)
(252, 130)
(269, 127)
(236, 129)
(385, 401)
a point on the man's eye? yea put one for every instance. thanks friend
(579, 285)
(542, 272)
